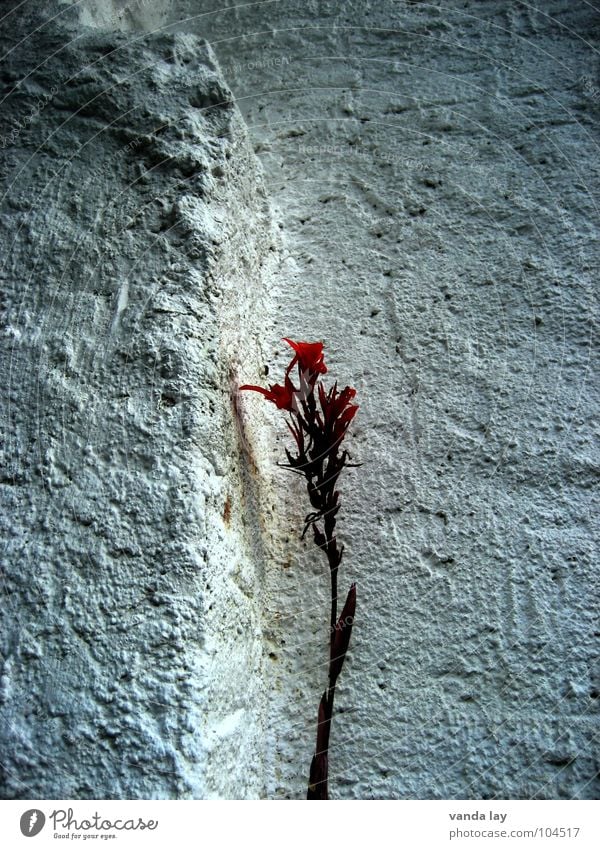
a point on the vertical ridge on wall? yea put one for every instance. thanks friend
(134, 231)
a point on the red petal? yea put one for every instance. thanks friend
(260, 389)
(348, 415)
(309, 356)
(281, 396)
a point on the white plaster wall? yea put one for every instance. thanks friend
(433, 172)
(435, 166)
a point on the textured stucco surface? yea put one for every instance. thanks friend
(433, 171)
(134, 226)
(435, 166)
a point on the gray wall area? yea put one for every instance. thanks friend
(134, 225)
(416, 185)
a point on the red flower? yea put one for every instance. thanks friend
(309, 356)
(318, 422)
(281, 396)
(338, 412)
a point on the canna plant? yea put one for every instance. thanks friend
(318, 420)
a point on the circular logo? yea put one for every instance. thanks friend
(32, 822)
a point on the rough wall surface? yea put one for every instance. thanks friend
(133, 226)
(435, 172)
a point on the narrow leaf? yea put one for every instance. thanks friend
(341, 636)
(323, 726)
